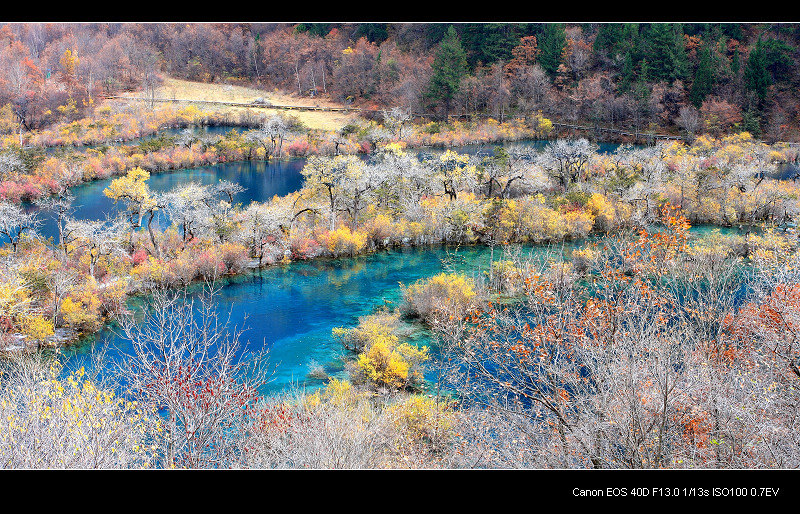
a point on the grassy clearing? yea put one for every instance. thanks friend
(198, 91)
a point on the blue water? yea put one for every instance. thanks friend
(292, 309)
(261, 180)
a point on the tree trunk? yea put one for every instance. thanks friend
(152, 235)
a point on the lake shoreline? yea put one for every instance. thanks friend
(66, 337)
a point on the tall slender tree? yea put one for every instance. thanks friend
(449, 68)
(554, 39)
(756, 76)
(666, 53)
(703, 78)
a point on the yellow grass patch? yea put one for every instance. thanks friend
(186, 92)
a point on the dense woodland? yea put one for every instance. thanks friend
(675, 77)
(649, 345)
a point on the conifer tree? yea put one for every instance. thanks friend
(703, 78)
(627, 75)
(609, 39)
(449, 68)
(666, 53)
(554, 39)
(756, 75)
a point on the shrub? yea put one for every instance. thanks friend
(305, 248)
(208, 264)
(298, 148)
(446, 293)
(506, 277)
(383, 361)
(81, 309)
(343, 241)
(425, 420)
(389, 364)
(369, 330)
(380, 230)
(37, 328)
(233, 256)
(603, 211)
(583, 259)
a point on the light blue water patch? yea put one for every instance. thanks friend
(292, 309)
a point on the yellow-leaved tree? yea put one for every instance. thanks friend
(134, 191)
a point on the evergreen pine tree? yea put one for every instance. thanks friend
(554, 39)
(642, 87)
(751, 122)
(609, 39)
(666, 52)
(628, 74)
(756, 75)
(486, 43)
(703, 78)
(449, 68)
(736, 62)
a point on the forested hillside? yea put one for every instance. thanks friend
(683, 78)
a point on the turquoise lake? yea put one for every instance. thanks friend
(291, 309)
(261, 180)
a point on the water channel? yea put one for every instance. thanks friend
(291, 309)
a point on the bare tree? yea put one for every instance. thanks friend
(59, 283)
(15, 222)
(99, 237)
(395, 118)
(189, 207)
(270, 136)
(61, 205)
(10, 165)
(227, 188)
(500, 171)
(276, 129)
(186, 138)
(689, 120)
(150, 78)
(186, 362)
(266, 225)
(566, 160)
